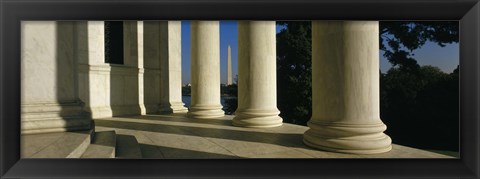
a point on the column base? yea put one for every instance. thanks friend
(127, 110)
(348, 138)
(54, 117)
(152, 108)
(205, 112)
(257, 118)
(175, 107)
(100, 112)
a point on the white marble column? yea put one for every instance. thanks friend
(171, 67)
(345, 88)
(49, 96)
(94, 73)
(257, 83)
(127, 79)
(205, 70)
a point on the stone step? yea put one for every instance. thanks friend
(103, 145)
(127, 147)
(55, 145)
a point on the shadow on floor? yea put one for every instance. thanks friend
(287, 140)
(158, 152)
(181, 118)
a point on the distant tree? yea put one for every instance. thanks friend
(398, 39)
(294, 71)
(186, 90)
(230, 100)
(421, 110)
(419, 104)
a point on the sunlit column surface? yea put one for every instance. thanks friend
(257, 96)
(126, 80)
(345, 88)
(93, 72)
(171, 67)
(205, 70)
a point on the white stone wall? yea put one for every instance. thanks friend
(49, 96)
(66, 82)
(111, 89)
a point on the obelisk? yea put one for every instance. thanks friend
(229, 66)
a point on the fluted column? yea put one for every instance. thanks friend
(205, 70)
(257, 97)
(171, 67)
(345, 88)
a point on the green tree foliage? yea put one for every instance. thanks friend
(294, 72)
(398, 39)
(421, 110)
(231, 94)
(186, 90)
(419, 104)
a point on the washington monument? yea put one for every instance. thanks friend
(229, 66)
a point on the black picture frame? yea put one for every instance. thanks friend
(13, 11)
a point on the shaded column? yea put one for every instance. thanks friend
(257, 93)
(171, 67)
(345, 88)
(134, 59)
(151, 66)
(205, 70)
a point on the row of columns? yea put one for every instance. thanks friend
(345, 78)
(257, 105)
(345, 82)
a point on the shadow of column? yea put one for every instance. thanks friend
(67, 94)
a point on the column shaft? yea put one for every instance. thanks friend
(345, 88)
(151, 52)
(94, 73)
(126, 80)
(257, 97)
(205, 70)
(171, 67)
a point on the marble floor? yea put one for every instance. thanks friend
(177, 137)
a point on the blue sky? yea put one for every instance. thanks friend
(446, 58)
